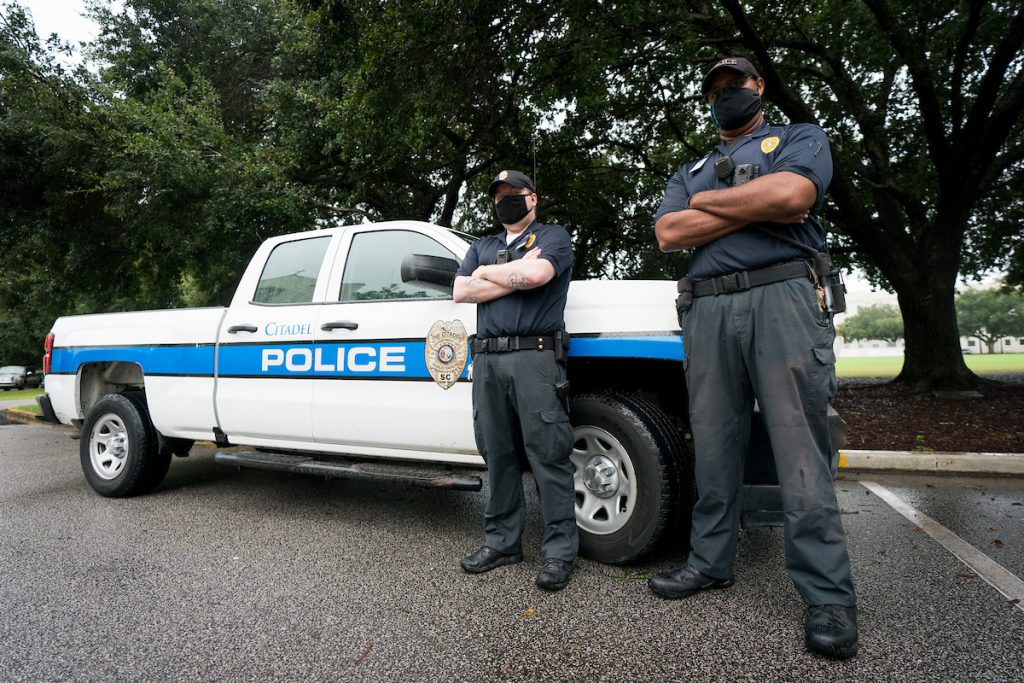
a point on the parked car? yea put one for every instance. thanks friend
(19, 377)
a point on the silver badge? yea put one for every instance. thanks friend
(446, 351)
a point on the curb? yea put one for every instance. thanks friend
(21, 416)
(1011, 464)
(907, 461)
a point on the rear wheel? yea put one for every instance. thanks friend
(119, 449)
(632, 475)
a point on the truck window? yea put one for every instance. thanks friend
(291, 272)
(373, 267)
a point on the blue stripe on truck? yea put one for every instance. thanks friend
(667, 347)
(379, 359)
(155, 360)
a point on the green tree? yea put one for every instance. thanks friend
(216, 123)
(924, 101)
(126, 193)
(43, 132)
(990, 314)
(880, 321)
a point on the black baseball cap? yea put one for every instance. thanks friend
(740, 64)
(513, 178)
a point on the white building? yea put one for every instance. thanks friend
(859, 293)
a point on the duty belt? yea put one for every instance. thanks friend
(506, 344)
(737, 282)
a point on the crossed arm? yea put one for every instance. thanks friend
(783, 197)
(488, 283)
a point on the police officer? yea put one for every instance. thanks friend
(519, 280)
(758, 326)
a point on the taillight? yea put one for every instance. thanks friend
(48, 353)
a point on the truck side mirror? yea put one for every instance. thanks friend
(430, 272)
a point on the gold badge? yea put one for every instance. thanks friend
(769, 144)
(446, 351)
(530, 240)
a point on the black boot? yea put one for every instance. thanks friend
(554, 574)
(485, 559)
(832, 630)
(682, 582)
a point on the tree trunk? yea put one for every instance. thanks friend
(932, 358)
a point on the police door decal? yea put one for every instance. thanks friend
(446, 351)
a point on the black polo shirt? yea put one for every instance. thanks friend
(800, 148)
(526, 312)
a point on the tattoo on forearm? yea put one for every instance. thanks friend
(473, 283)
(518, 281)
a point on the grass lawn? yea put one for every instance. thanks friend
(889, 366)
(28, 394)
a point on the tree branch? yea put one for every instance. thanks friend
(1000, 165)
(959, 59)
(338, 210)
(1004, 123)
(921, 80)
(1005, 53)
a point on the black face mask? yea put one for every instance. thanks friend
(735, 107)
(511, 209)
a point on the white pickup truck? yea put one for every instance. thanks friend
(343, 354)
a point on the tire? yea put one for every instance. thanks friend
(632, 476)
(119, 449)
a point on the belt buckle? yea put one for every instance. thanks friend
(729, 283)
(500, 344)
(733, 282)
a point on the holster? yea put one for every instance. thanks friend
(830, 279)
(561, 346)
(685, 299)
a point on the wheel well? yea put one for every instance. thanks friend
(96, 380)
(660, 381)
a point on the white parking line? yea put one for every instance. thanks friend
(983, 565)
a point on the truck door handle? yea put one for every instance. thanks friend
(242, 328)
(343, 324)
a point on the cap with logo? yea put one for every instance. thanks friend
(739, 64)
(513, 178)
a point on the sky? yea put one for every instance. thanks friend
(63, 17)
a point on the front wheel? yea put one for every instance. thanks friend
(631, 474)
(119, 449)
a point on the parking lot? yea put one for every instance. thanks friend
(223, 574)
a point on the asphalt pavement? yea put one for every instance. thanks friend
(227, 575)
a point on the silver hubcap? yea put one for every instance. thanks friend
(601, 477)
(108, 446)
(604, 480)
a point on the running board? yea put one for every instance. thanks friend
(418, 475)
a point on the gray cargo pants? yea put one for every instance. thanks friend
(516, 410)
(771, 342)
